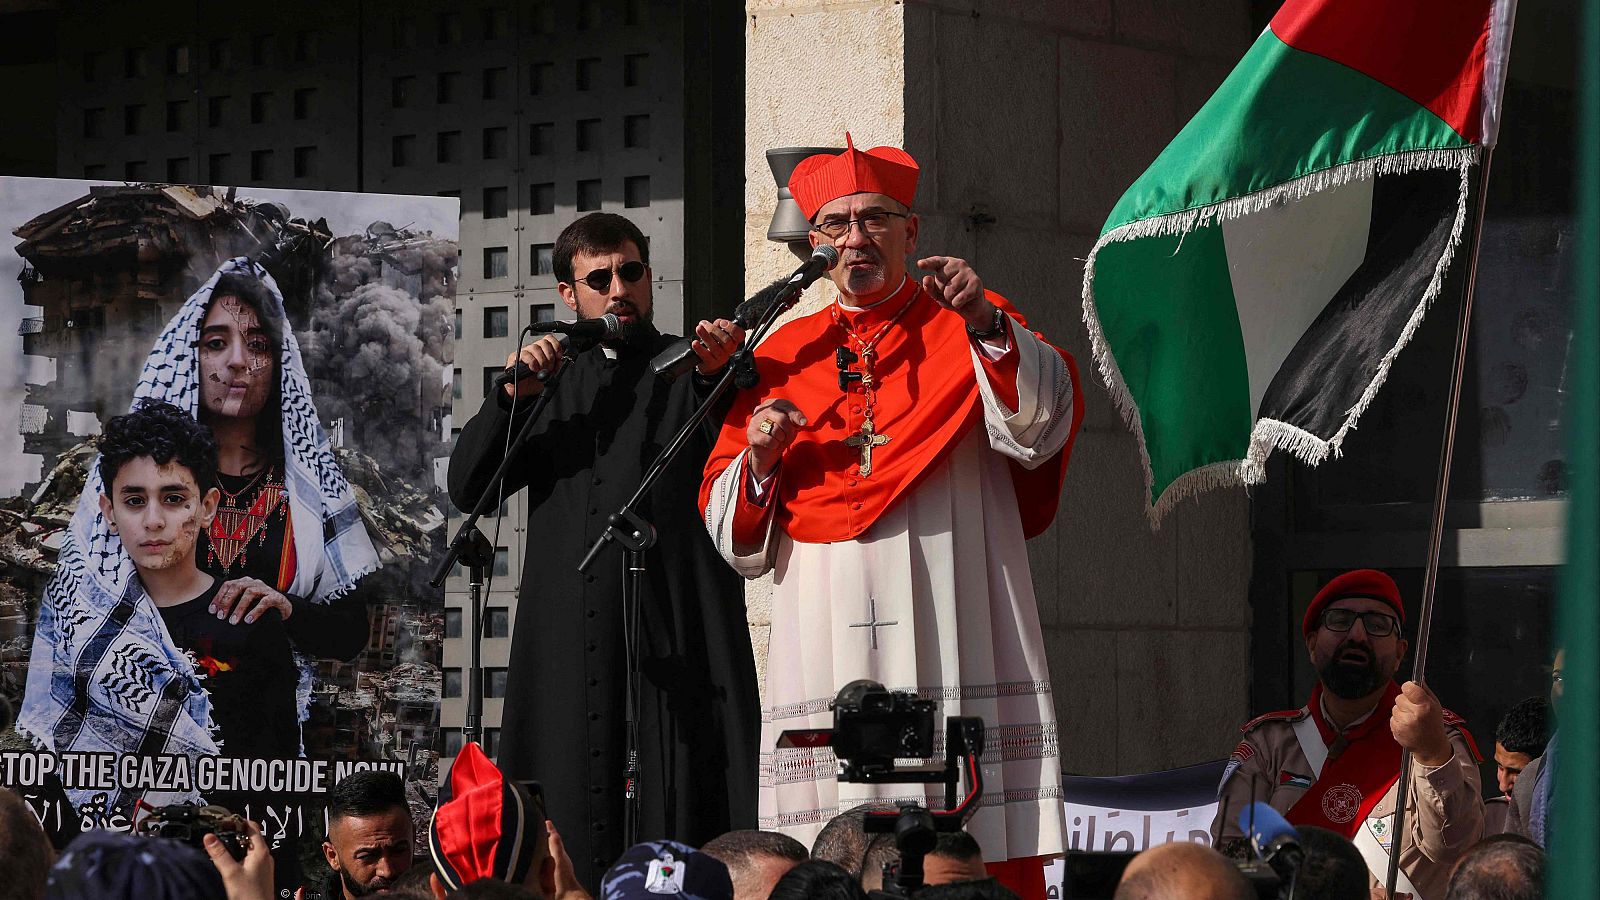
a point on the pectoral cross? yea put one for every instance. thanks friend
(864, 442)
(872, 624)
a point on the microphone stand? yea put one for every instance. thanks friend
(637, 535)
(472, 549)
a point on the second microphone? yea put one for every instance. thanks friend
(679, 358)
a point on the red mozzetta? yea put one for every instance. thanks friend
(927, 401)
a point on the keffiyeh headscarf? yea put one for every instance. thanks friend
(104, 674)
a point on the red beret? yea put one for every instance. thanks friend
(1359, 583)
(826, 177)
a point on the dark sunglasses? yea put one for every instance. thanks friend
(600, 279)
(1377, 624)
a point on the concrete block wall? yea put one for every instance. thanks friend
(1038, 116)
(797, 95)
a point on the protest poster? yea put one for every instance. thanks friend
(310, 333)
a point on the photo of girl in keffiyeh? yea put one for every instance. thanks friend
(200, 672)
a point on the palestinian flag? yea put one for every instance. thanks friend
(1251, 290)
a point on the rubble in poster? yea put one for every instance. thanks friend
(102, 272)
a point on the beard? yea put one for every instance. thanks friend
(865, 280)
(353, 888)
(1351, 679)
(640, 334)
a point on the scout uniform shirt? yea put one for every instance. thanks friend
(1271, 764)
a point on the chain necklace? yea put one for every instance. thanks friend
(865, 353)
(242, 518)
(248, 486)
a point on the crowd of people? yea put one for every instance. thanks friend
(899, 446)
(488, 837)
(1500, 867)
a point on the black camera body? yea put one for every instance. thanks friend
(874, 726)
(191, 822)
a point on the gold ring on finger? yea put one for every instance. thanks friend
(765, 426)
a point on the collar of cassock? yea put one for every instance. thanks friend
(865, 320)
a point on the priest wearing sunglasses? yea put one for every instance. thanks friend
(1335, 762)
(564, 719)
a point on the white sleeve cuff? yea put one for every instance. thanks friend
(758, 490)
(991, 352)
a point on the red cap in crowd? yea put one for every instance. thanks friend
(1359, 583)
(485, 826)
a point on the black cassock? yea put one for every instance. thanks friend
(563, 720)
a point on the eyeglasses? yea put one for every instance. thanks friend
(871, 223)
(600, 279)
(1377, 624)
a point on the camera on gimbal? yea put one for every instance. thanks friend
(873, 728)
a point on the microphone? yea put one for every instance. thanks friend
(569, 344)
(606, 328)
(822, 259)
(1273, 838)
(679, 357)
(576, 337)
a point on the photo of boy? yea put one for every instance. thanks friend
(153, 464)
(326, 513)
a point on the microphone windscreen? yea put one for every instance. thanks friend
(1265, 825)
(753, 309)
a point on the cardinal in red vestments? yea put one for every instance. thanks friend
(901, 446)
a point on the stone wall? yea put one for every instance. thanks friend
(1029, 120)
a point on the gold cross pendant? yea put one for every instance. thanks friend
(864, 442)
